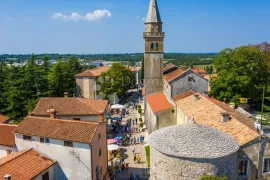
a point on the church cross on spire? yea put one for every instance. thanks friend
(153, 12)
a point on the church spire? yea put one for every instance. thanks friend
(153, 12)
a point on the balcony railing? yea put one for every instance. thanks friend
(153, 34)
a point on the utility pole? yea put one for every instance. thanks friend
(261, 143)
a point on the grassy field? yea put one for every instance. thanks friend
(147, 150)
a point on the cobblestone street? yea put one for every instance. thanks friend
(134, 167)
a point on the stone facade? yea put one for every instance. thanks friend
(176, 168)
(86, 87)
(154, 51)
(189, 80)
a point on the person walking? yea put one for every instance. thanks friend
(136, 121)
(131, 141)
(131, 177)
(134, 139)
(139, 159)
(135, 158)
(133, 122)
(138, 176)
(133, 149)
(126, 167)
(141, 140)
(138, 140)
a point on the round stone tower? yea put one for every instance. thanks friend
(190, 151)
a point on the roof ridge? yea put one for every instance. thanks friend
(62, 120)
(11, 125)
(25, 151)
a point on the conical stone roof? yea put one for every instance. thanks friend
(153, 12)
(193, 141)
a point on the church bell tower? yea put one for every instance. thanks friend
(153, 52)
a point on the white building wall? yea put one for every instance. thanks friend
(167, 90)
(151, 119)
(74, 162)
(3, 150)
(86, 90)
(52, 173)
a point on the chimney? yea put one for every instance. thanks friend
(52, 112)
(196, 97)
(225, 117)
(7, 177)
(205, 93)
(65, 94)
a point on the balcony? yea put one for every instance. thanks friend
(153, 34)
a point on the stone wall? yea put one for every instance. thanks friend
(174, 168)
(181, 84)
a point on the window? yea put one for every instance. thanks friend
(99, 152)
(47, 140)
(266, 165)
(173, 111)
(9, 151)
(41, 140)
(77, 119)
(242, 170)
(68, 143)
(99, 136)
(28, 138)
(45, 176)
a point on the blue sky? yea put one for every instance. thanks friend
(46, 26)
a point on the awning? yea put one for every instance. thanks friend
(112, 147)
(118, 137)
(117, 106)
(116, 118)
(111, 141)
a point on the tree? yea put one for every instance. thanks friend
(3, 74)
(142, 74)
(118, 79)
(241, 72)
(57, 79)
(73, 67)
(46, 63)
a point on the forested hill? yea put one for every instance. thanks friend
(176, 58)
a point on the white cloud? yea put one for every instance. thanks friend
(143, 19)
(95, 16)
(60, 16)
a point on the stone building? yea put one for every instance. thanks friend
(86, 82)
(177, 81)
(190, 151)
(191, 106)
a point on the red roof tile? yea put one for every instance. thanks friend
(70, 106)
(208, 111)
(168, 67)
(174, 74)
(200, 71)
(158, 102)
(77, 131)
(93, 72)
(25, 165)
(183, 95)
(135, 69)
(6, 136)
(3, 118)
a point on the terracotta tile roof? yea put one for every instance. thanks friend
(200, 71)
(70, 106)
(174, 74)
(183, 95)
(7, 138)
(168, 67)
(25, 165)
(207, 111)
(3, 118)
(135, 69)
(93, 72)
(158, 102)
(77, 131)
